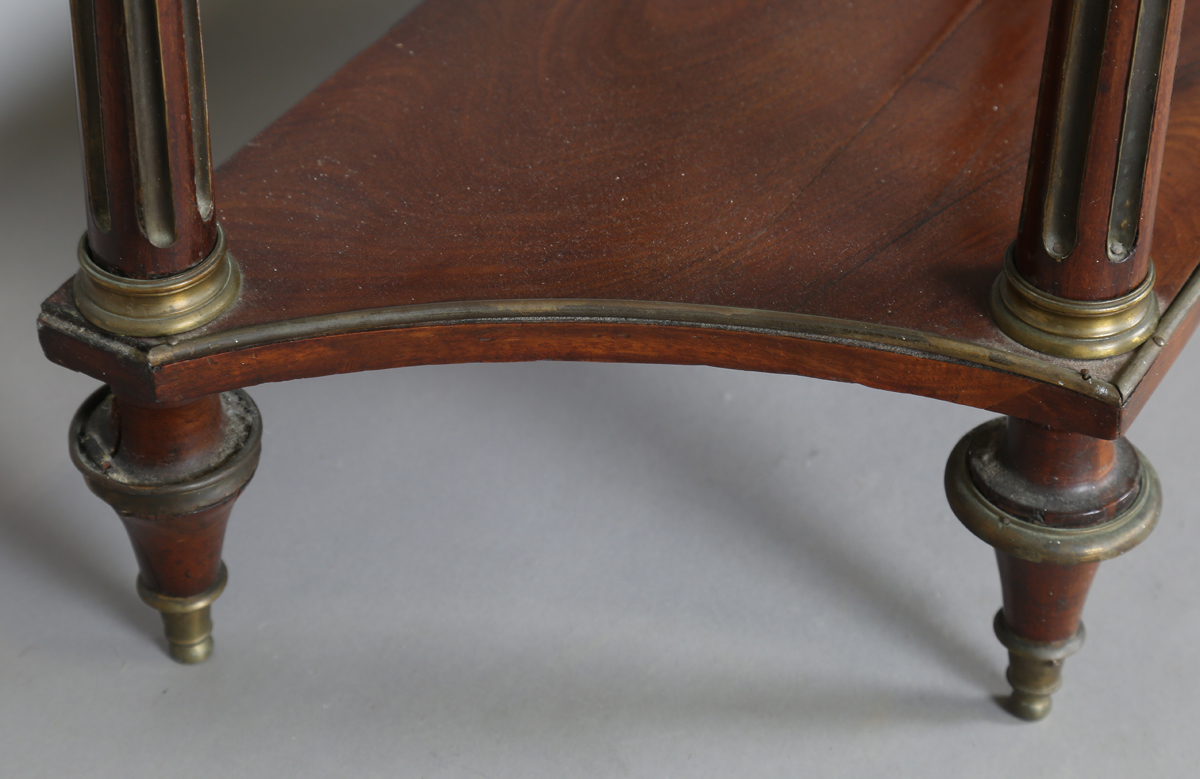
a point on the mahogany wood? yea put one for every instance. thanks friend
(1056, 479)
(817, 188)
(1084, 270)
(194, 428)
(1044, 602)
(146, 147)
(862, 163)
(949, 380)
(179, 555)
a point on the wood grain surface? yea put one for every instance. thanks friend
(862, 162)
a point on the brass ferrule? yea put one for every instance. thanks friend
(186, 621)
(154, 307)
(1077, 329)
(1034, 668)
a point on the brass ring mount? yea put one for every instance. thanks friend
(142, 494)
(1077, 329)
(156, 307)
(188, 621)
(1038, 543)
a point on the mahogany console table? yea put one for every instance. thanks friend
(839, 190)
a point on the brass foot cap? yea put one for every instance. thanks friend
(1028, 706)
(189, 654)
(187, 622)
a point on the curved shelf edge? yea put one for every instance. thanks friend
(771, 323)
(879, 356)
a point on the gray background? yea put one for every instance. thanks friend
(543, 569)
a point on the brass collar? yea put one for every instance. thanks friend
(151, 307)
(1078, 329)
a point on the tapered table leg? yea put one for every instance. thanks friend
(172, 473)
(1054, 505)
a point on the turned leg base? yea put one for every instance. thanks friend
(1054, 505)
(172, 473)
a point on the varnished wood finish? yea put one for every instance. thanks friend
(1051, 458)
(601, 341)
(169, 438)
(861, 163)
(1044, 602)
(1055, 479)
(144, 101)
(1078, 265)
(179, 555)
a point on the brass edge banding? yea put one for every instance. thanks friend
(156, 307)
(636, 312)
(208, 489)
(1133, 373)
(1038, 544)
(1085, 330)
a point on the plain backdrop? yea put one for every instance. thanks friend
(538, 570)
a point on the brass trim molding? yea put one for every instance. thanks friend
(1112, 390)
(1040, 544)
(171, 605)
(1076, 329)
(156, 307)
(1185, 301)
(777, 323)
(1048, 651)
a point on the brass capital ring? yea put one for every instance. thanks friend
(153, 307)
(1039, 544)
(1077, 329)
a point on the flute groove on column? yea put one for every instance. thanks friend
(153, 261)
(1078, 281)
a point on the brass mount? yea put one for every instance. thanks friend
(187, 622)
(1034, 668)
(1077, 329)
(154, 307)
(1038, 543)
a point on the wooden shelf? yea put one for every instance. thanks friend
(820, 188)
